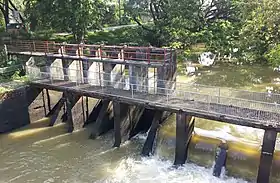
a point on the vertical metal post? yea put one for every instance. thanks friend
(132, 88)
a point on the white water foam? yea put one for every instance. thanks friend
(153, 170)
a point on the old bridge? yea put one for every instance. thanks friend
(140, 83)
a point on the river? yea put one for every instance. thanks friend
(38, 153)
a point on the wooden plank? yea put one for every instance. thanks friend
(149, 143)
(184, 129)
(268, 147)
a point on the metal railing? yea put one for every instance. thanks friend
(159, 92)
(103, 52)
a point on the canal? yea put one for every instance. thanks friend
(38, 153)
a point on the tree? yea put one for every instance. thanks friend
(182, 21)
(260, 32)
(75, 16)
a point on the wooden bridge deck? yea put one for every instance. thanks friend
(172, 103)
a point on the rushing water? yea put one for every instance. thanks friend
(39, 153)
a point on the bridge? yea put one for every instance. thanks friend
(144, 77)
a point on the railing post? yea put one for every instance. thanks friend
(149, 55)
(132, 95)
(100, 52)
(34, 46)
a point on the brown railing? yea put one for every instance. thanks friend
(103, 52)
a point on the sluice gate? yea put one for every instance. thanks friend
(135, 90)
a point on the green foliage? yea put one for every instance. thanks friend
(75, 16)
(260, 28)
(273, 55)
(127, 35)
(180, 21)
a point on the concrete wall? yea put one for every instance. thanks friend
(14, 109)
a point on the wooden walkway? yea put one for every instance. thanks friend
(213, 111)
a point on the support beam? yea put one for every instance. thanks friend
(144, 123)
(44, 103)
(69, 112)
(268, 147)
(65, 66)
(117, 124)
(160, 80)
(74, 101)
(184, 129)
(92, 117)
(48, 100)
(149, 143)
(98, 124)
(53, 114)
(107, 67)
(86, 66)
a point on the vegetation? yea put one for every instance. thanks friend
(245, 29)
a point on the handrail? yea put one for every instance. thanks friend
(149, 54)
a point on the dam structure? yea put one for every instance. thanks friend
(136, 90)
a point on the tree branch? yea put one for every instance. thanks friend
(140, 24)
(15, 8)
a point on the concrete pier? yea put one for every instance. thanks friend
(184, 130)
(267, 153)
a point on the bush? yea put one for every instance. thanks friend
(273, 55)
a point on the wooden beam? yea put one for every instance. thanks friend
(184, 129)
(149, 143)
(93, 115)
(48, 100)
(98, 124)
(69, 112)
(117, 124)
(268, 147)
(74, 100)
(53, 114)
(44, 103)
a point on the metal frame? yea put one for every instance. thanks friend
(179, 97)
